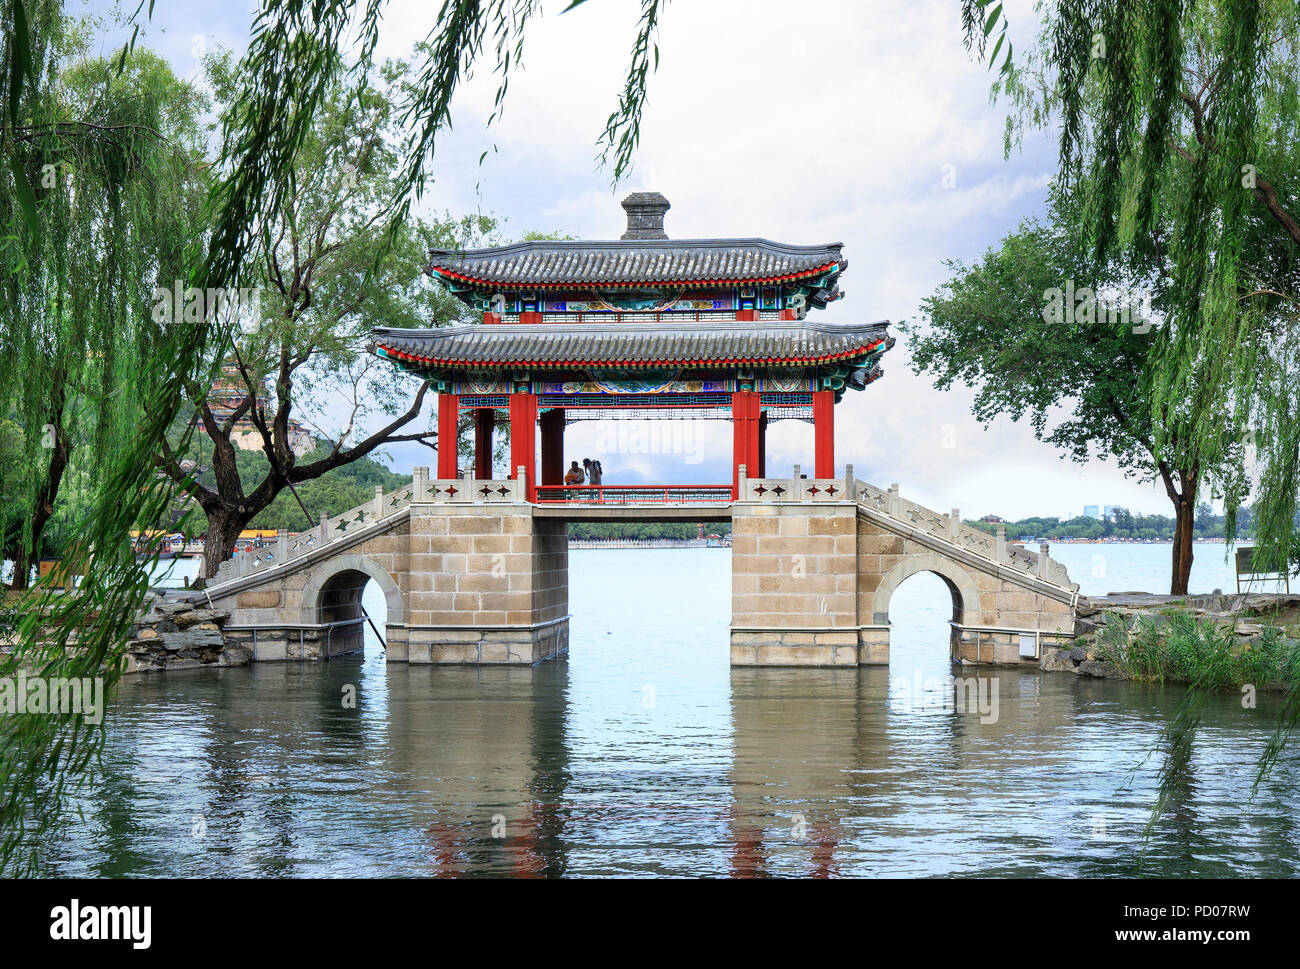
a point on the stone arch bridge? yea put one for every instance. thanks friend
(473, 572)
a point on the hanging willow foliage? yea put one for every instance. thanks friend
(110, 154)
(1190, 110)
(1186, 113)
(294, 56)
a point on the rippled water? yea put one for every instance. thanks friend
(643, 753)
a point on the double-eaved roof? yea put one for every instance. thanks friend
(641, 302)
(640, 262)
(636, 344)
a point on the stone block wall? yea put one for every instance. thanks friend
(489, 584)
(793, 593)
(812, 583)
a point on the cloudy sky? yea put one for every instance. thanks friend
(862, 123)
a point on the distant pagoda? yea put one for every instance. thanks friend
(226, 395)
(637, 327)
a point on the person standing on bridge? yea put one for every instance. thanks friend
(594, 471)
(574, 475)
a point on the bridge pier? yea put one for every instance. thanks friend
(815, 564)
(794, 585)
(489, 584)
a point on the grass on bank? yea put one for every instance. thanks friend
(1179, 648)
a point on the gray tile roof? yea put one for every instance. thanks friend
(648, 343)
(548, 263)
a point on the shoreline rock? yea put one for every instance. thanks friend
(182, 634)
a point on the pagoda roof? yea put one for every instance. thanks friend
(636, 262)
(633, 344)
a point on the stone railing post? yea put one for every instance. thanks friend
(1042, 560)
(282, 545)
(521, 483)
(796, 489)
(1000, 546)
(420, 484)
(850, 484)
(324, 528)
(742, 483)
(379, 501)
(954, 525)
(895, 501)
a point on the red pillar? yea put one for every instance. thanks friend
(523, 438)
(745, 445)
(553, 447)
(448, 438)
(762, 443)
(484, 422)
(824, 422)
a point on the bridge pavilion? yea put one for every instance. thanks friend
(643, 326)
(476, 570)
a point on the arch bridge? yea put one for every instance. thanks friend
(474, 572)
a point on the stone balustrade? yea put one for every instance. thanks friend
(950, 528)
(289, 546)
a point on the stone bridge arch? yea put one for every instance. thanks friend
(960, 583)
(332, 594)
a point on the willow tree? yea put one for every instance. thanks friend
(1042, 332)
(296, 55)
(1186, 113)
(118, 183)
(101, 199)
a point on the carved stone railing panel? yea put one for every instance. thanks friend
(794, 489)
(473, 491)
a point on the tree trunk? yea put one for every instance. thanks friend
(1184, 501)
(1184, 527)
(30, 551)
(224, 527)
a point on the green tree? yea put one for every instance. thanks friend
(1180, 141)
(1033, 329)
(330, 274)
(120, 189)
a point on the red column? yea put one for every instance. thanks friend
(484, 422)
(762, 443)
(553, 447)
(824, 422)
(448, 438)
(523, 438)
(745, 446)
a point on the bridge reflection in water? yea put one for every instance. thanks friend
(644, 753)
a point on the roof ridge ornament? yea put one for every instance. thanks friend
(645, 215)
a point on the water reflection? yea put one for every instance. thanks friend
(644, 754)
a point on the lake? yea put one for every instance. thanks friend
(642, 753)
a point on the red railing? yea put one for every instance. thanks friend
(634, 494)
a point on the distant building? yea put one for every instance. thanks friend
(1091, 511)
(1109, 512)
(225, 396)
(992, 518)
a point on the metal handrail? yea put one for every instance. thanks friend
(633, 494)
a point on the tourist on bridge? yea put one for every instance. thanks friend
(594, 471)
(574, 475)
